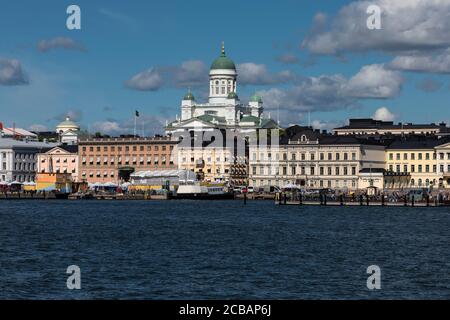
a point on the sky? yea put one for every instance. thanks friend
(313, 62)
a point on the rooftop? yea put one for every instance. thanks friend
(367, 123)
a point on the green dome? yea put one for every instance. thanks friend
(256, 98)
(189, 96)
(233, 95)
(223, 62)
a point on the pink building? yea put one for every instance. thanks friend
(60, 159)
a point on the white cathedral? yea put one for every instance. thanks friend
(224, 110)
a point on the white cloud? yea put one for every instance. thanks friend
(334, 92)
(148, 80)
(150, 125)
(288, 58)
(375, 82)
(326, 125)
(384, 114)
(413, 25)
(11, 73)
(433, 63)
(107, 127)
(38, 128)
(257, 74)
(59, 43)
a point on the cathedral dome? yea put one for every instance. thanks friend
(232, 95)
(189, 96)
(223, 62)
(256, 98)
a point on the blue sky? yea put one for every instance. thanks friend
(84, 73)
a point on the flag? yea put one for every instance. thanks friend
(137, 113)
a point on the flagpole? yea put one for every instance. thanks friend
(135, 119)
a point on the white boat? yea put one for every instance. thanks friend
(199, 192)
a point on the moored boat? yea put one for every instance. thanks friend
(199, 192)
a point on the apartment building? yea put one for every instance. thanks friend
(417, 162)
(114, 159)
(18, 159)
(59, 159)
(311, 159)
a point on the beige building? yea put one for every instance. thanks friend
(309, 159)
(213, 163)
(114, 159)
(59, 159)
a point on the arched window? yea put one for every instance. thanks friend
(427, 182)
(420, 182)
(412, 182)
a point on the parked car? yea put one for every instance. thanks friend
(250, 189)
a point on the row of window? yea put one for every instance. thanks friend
(319, 183)
(126, 148)
(306, 156)
(419, 168)
(331, 171)
(24, 167)
(127, 161)
(419, 183)
(58, 170)
(58, 160)
(418, 156)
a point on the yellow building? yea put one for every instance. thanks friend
(412, 163)
(443, 163)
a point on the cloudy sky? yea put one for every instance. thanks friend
(303, 57)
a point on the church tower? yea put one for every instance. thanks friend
(222, 78)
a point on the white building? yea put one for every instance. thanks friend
(18, 133)
(223, 110)
(18, 159)
(311, 160)
(68, 131)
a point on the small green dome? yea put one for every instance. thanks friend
(256, 98)
(223, 62)
(233, 95)
(189, 96)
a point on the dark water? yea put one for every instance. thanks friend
(221, 250)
